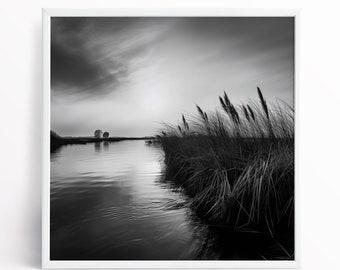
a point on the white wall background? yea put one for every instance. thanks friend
(318, 141)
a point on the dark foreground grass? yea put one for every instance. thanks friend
(237, 165)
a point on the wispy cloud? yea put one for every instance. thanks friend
(150, 70)
(93, 56)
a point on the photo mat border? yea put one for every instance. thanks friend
(154, 12)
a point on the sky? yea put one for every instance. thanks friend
(127, 75)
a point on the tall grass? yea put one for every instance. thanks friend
(237, 164)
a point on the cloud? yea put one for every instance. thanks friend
(75, 69)
(95, 56)
(76, 66)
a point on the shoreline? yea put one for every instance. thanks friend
(57, 141)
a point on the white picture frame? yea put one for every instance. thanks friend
(46, 16)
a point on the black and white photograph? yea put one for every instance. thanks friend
(172, 138)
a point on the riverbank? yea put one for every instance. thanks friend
(57, 140)
(237, 165)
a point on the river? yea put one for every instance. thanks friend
(109, 201)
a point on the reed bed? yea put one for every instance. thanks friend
(237, 164)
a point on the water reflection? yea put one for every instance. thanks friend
(55, 151)
(106, 145)
(108, 203)
(97, 146)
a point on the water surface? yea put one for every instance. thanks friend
(108, 201)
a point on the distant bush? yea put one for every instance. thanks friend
(54, 135)
(106, 134)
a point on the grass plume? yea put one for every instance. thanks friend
(237, 165)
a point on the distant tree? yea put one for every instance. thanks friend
(106, 134)
(98, 133)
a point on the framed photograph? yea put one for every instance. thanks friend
(169, 139)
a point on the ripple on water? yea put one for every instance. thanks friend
(110, 203)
